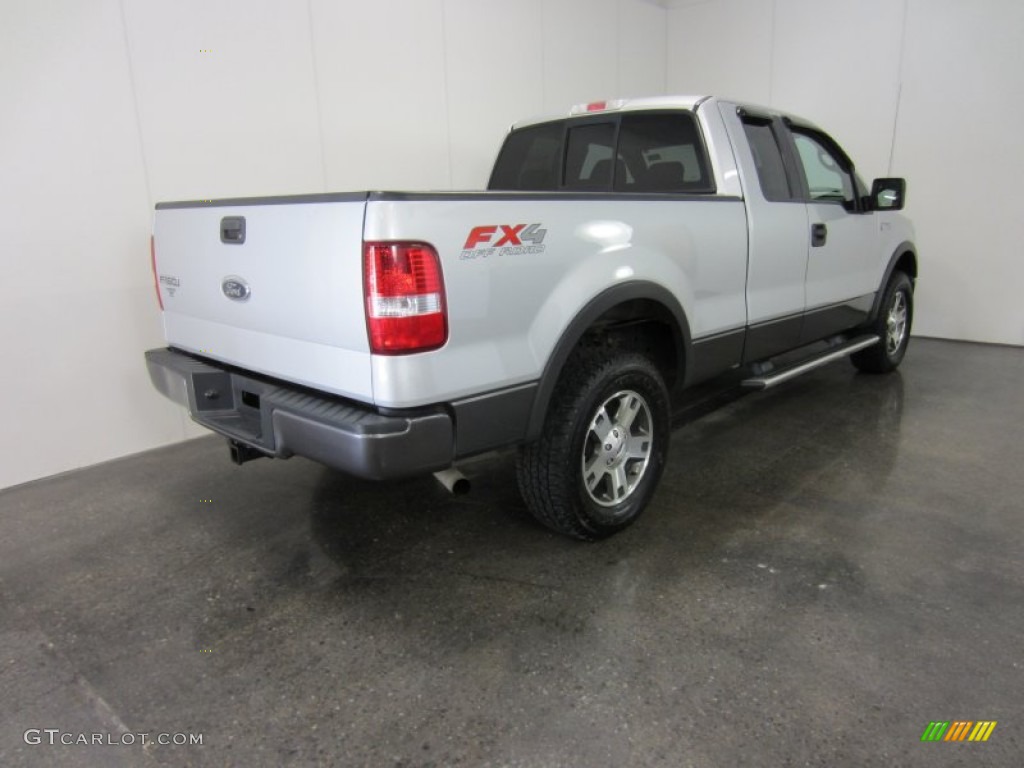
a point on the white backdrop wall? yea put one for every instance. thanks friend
(926, 89)
(107, 106)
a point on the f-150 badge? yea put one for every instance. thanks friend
(169, 284)
(503, 240)
(235, 288)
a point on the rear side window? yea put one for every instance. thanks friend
(661, 153)
(530, 159)
(771, 170)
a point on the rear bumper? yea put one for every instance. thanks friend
(278, 420)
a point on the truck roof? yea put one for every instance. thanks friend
(690, 102)
(617, 105)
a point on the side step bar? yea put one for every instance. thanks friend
(791, 372)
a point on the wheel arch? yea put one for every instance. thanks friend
(903, 259)
(636, 304)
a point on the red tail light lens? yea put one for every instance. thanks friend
(405, 303)
(156, 278)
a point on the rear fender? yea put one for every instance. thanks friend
(585, 319)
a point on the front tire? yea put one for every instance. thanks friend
(892, 326)
(602, 451)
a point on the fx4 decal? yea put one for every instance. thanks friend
(503, 240)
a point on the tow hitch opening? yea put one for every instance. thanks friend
(241, 453)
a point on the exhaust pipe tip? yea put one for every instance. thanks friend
(454, 481)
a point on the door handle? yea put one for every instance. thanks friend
(819, 233)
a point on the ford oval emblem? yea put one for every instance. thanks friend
(235, 288)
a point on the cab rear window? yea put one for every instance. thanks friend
(635, 152)
(530, 159)
(661, 153)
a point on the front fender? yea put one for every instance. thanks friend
(904, 251)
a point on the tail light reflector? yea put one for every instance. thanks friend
(405, 301)
(156, 278)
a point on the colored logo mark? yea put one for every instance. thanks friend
(958, 730)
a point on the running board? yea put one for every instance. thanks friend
(826, 357)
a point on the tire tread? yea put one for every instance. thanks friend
(545, 480)
(875, 359)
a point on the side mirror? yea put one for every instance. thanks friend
(888, 194)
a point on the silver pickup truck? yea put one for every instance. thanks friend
(622, 252)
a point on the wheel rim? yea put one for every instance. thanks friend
(617, 448)
(896, 323)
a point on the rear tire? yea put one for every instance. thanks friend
(892, 327)
(603, 447)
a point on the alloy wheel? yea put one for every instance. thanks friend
(617, 448)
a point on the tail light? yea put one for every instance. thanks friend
(156, 278)
(405, 303)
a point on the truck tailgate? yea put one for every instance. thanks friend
(284, 299)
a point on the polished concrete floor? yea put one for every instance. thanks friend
(827, 567)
